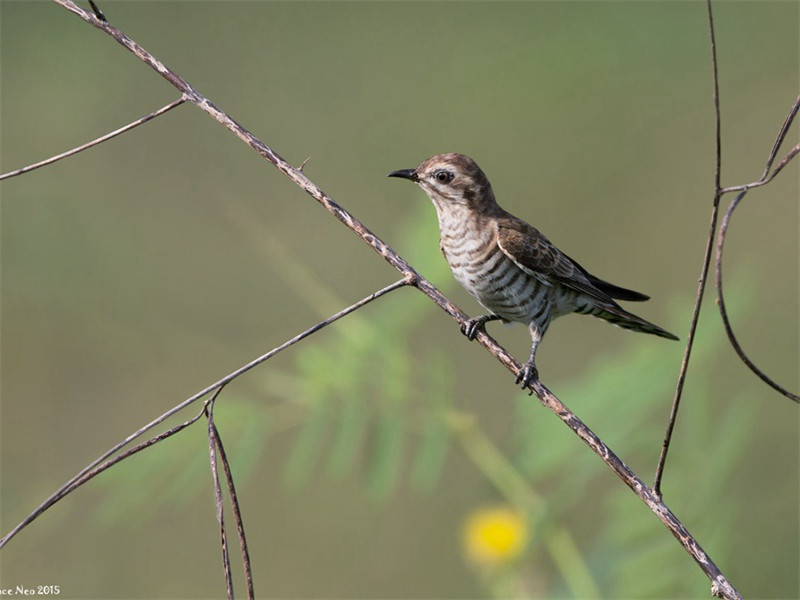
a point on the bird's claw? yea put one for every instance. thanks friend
(526, 374)
(472, 327)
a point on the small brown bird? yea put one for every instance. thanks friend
(507, 265)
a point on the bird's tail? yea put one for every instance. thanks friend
(616, 315)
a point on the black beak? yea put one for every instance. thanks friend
(405, 174)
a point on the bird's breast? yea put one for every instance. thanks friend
(470, 246)
(483, 269)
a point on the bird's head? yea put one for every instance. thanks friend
(451, 179)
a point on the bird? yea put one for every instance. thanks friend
(509, 266)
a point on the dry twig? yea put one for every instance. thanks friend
(95, 142)
(91, 471)
(701, 282)
(719, 191)
(216, 450)
(765, 178)
(723, 230)
(104, 461)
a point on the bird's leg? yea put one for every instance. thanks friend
(473, 326)
(529, 372)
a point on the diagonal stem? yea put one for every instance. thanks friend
(100, 140)
(701, 282)
(768, 176)
(90, 470)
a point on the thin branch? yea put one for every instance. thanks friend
(99, 140)
(723, 230)
(720, 586)
(701, 282)
(213, 446)
(216, 448)
(784, 161)
(743, 189)
(89, 471)
(781, 137)
(765, 178)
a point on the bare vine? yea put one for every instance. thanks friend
(719, 191)
(768, 175)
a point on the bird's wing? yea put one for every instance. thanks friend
(537, 256)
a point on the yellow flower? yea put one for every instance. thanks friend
(495, 536)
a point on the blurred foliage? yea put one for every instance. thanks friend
(368, 393)
(366, 382)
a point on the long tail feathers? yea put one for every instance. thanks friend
(614, 291)
(616, 315)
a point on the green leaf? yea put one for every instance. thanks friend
(306, 449)
(435, 438)
(391, 426)
(387, 453)
(351, 426)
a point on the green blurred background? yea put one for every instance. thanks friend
(140, 271)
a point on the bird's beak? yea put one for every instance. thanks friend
(405, 174)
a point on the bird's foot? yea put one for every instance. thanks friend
(526, 374)
(473, 326)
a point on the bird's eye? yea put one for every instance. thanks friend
(443, 176)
